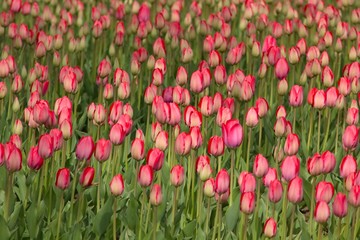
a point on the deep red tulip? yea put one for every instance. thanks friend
(87, 177)
(155, 158)
(85, 148)
(34, 161)
(62, 178)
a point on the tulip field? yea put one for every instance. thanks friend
(179, 119)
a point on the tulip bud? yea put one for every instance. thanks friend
(145, 175)
(84, 148)
(34, 161)
(62, 178)
(215, 146)
(295, 190)
(252, 117)
(87, 177)
(322, 212)
(46, 146)
(117, 185)
(247, 202)
(281, 68)
(183, 144)
(156, 195)
(261, 166)
(350, 138)
(247, 182)
(324, 191)
(292, 143)
(270, 228)
(270, 176)
(232, 132)
(155, 158)
(348, 165)
(177, 175)
(17, 127)
(340, 205)
(275, 191)
(102, 150)
(282, 87)
(354, 196)
(222, 182)
(290, 167)
(137, 149)
(209, 187)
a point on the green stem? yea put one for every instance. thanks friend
(257, 206)
(292, 221)
(284, 209)
(339, 229)
(220, 219)
(312, 205)
(174, 209)
(41, 185)
(320, 231)
(59, 215)
(248, 150)
(73, 192)
(294, 120)
(319, 128)
(98, 204)
(354, 224)
(114, 219)
(155, 223)
(244, 232)
(327, 128)
(7, 196)
(311, 128)
(207, 217)
(216, 220)
(81, 200)
(63, 154)
(232, 176)
(142, 211)
(337, 132)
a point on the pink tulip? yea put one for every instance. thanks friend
(196, 137)
(222, 182)
(232, 132)
(281, 68)
(102, 150)
(155, 158)
(292, 143)
(322, 212)
(275, 191)
(215, 146)
(340, 205)
(295, 190)
(177, 175)
(324, 191)
(315, 165)
(117, 134)
(354, 196)
(145, 175)
(348, 165)
(262, 107)
(270, 176)
(290, 168)
(261, 166)
(84, 148)
(137, 149)
(183, 144)
(247, 182)
(161, 141)
(62, 178)
(34, 161)
(57, 137)
(87, 177)
(117, 185)
(329, 161)
(270, 228)
(41, 112)
(247, 202)
(296, 96)
(350, 138)
(156, 195)
(209, 187)
(45, 146)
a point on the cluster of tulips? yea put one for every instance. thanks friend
(234, 119)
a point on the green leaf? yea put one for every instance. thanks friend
(103, 218)
(131, 213)
(232, 214)
(190, 228)
(4, 230)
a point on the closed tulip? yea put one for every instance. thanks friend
(292, 143)
(350, 138)
(329, 161)
(247, 182)
(252, 117)
(270, 176)
(177, 175)
(340, 205)
(261, 166)
(137, 149)
(290, 168)
(348, 165)
(222, 182)
(183, 144)
(145, 175)
(117, 134)
(117, 185)
(156, 195)
(232, 133)
(45, 146)
(247, 202)
(295, 190)
(34, 161)
(270, 228)
(87, 177)
(322, 212)
(102, 150)
(215, 146)
(315, 165)
(84, 148)
(13, 157)
(354, 196)
(62, 178)
(324, 191)
(296, 96)
(155, 158)
(275, 191)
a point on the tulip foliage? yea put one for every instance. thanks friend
(179, 119)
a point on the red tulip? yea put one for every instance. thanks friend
(329, 161)
(270, 228)
(292, 144)
(290, 167)
(270, 176)
(117, 185)
(247, 202)
(261, 166)
(45, 146)
(156, 195)
(324, 191)
(145, 175)
(295, 190)
(348, 165)
(222, 182)
(137, 149)
(84, 148)
(62, 178)
(215, 146)
(177, 175)
(155, 158)
(315, 165)
(57, 137)
(183, 144)
(322, 212)
(340, 205)
(354, 196)
(350, 138)
(102, 150)
(247, 182)
(34, 161)
(275, 191)
(87, 177)
(232, 132)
